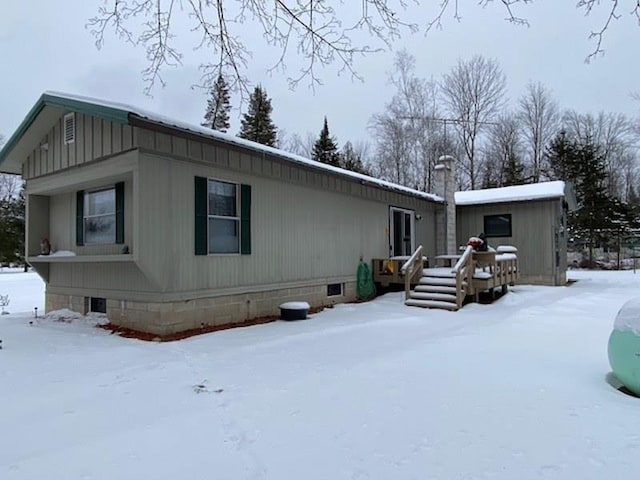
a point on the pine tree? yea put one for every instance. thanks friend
(218, 106)
(598, 214)
(12, 229)
(256, 124)
(325, 150)
(351, 160)
(513, 173)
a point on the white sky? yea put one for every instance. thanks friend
(44, 45)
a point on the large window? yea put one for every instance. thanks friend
(100, 216)
(224, 222)
(497, 225)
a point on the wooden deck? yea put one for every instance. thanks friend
(462, 280)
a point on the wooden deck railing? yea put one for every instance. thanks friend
(464, 269)
(411, 269)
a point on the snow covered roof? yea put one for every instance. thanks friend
(518, 193)
(123, 113)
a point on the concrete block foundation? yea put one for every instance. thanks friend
(166, 318)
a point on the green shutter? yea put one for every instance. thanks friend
(80, 218)
(245, 219)
(120, 212)
(200, 200)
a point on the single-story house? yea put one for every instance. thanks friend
(531, 217)
(167, 226)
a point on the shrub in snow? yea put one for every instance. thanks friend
(4, 302)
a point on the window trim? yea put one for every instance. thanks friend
(412, 225)
(488, 234)
(237, 218)
(85, 215)
(119, 188)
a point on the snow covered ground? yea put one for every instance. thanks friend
(513, 390)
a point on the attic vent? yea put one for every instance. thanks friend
(69, 128)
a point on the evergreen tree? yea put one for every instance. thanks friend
(351, 160)
(513, 173)
(12, 229)
(598, 214)
(325, 149)
(256, 124)
(561, 159)
(218, 106)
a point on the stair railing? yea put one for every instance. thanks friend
(411, 269)
(463, 269)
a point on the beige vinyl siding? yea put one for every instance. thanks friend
(94, 138)
(533, 225)
(59, 189)
(37, 227)
(62, 223)
(107, 280)
(300, 233)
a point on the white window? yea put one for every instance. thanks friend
(100, 216)
(223, 217)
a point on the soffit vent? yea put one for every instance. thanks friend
(69, 128)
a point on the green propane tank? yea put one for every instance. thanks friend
(624, 346)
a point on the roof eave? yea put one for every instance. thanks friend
(14, 165)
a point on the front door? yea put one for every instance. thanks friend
(401, 231)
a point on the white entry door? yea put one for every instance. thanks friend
(401, 231)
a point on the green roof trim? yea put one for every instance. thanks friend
(112, 114)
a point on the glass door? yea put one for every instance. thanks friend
(401, 231)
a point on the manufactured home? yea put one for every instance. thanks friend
(169, 227)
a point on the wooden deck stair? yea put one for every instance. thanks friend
(448, 287)
(435, 289)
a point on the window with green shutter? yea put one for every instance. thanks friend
(222, 217)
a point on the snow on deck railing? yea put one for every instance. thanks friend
(412, 259)
(463, 259)
(410, 268)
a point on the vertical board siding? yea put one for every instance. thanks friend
(298, 233)
(107, 147)
(101, 279)
(94, 139)
(532, 233)
(87, 138)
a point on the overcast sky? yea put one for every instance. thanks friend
(44, 45)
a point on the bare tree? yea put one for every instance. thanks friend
(615, 11)
(474, 93)
(613, 133)
(503, 153)
(539, 117)
(321, 32)
(405, 135)
(296, 143)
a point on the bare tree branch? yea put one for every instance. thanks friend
(321, 32)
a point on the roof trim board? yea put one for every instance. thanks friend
(126, 114)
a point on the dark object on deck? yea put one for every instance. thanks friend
(484, 246)
(294, 310)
